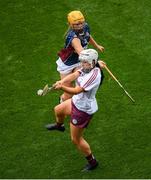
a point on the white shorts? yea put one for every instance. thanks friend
(64, 69)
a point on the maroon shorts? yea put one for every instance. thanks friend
(79, 118)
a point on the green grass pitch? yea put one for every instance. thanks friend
(31, 34)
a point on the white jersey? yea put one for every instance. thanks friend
(86, 101)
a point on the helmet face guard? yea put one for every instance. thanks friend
(89, 56)
(78, 26)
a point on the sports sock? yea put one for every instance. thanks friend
(91, 159)
(59, 124)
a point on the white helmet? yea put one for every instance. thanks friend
(89, 55)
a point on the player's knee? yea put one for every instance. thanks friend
(57, 110)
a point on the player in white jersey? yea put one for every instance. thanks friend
(82, 105)
(86, 101)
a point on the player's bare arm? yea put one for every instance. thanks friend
(76, 44)
(70, 90)
(94, 44)
(69, 78)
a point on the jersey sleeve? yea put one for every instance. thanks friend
(70, 36)
(87, 27)
(91, 81)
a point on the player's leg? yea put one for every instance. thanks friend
(83, 146)
(61, 111)
(78, 140)
(79, 121)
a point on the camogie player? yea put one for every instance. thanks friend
(82, 105)
(77, 39)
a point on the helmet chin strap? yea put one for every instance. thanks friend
(79, 31)
(86, 70)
